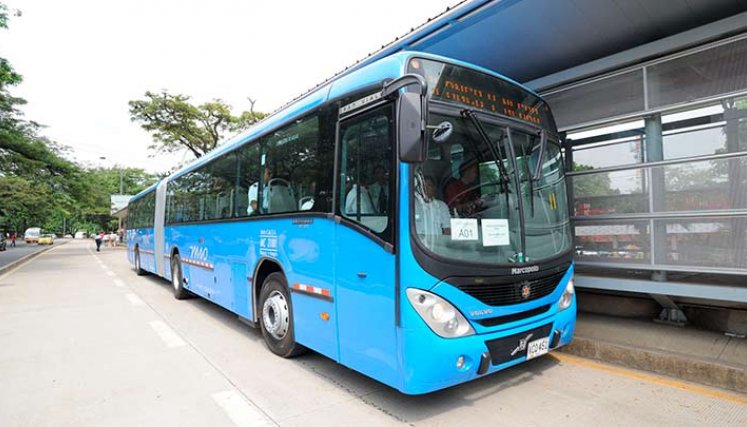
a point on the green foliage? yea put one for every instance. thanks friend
(176, 124)
(38, 185)
(591, 185)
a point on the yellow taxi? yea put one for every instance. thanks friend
(46, 239)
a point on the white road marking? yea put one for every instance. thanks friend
(110, 273)
(241, 411)
(168, 335)
(135, 300)
(119, 283)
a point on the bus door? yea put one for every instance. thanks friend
(364, 258)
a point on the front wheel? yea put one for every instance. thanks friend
(177, 280)
(276, 317)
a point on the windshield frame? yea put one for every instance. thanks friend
(471, 268)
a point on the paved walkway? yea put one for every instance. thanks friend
(84, 341)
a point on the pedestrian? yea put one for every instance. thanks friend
(99, 238)
(13, 239)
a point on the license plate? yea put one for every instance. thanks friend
(538, 347)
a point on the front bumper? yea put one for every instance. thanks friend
(429, 362)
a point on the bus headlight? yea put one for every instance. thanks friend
(567, 298)
(443, 319)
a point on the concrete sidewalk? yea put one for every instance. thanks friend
(687, 353)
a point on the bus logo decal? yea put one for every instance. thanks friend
(526, 290)
(198, 253)
(524, 270)
(268, 243)
(360, 103)
(522, 344)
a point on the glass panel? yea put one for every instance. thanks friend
(704, 185)
(220, 194)
(716, 71)
(366, 187)
(291, 164)
(601, 99)
(607, 155)
(613, 242)
(699, 142)
(706, 242)
(466, 204)
(611, 193)
(461, 199)
(548, 230)
(248, 177)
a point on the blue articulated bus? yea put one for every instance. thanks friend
(408, 220)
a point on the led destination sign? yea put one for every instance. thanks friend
(458, 85)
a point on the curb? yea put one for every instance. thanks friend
(4, 269)
(673, 365)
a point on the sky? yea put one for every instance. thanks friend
(83, 60)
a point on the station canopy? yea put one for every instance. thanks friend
(529, 39)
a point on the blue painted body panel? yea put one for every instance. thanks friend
(219, 261)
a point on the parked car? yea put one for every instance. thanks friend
(46, 239)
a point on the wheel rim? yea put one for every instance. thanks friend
(175, 276)
(276, 315)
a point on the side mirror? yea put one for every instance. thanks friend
(411, 117)
(411, 135)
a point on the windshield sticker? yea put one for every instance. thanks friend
(463, 229)
(495, 232)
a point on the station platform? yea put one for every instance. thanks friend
(687, 353)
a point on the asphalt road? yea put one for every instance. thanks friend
(84, 341)
(13, 254)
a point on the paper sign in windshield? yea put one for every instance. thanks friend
(495, 232)
(463, 229)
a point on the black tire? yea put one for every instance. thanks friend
(276, 317)
(138, 267)
(177, 280)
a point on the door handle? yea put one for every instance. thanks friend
(362, 274)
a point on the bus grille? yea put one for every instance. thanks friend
(494, 321)
(510, 293)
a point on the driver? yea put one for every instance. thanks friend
(431, 215)
(462, 195)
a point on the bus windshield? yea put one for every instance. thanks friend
(480, 196)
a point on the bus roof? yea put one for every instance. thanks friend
(390, 67)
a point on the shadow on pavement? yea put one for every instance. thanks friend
(401, 407)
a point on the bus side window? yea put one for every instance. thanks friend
(293, 163)
(247, 179)
(366, 185)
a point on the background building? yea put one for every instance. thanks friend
(652, 97)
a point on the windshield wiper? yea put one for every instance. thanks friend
(497, 155)
(541, 157)
(537, 174)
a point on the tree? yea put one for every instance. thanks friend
(175, 123)
(591, 185)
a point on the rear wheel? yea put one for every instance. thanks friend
(276, 317)
(138, 267)
(177, 280)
